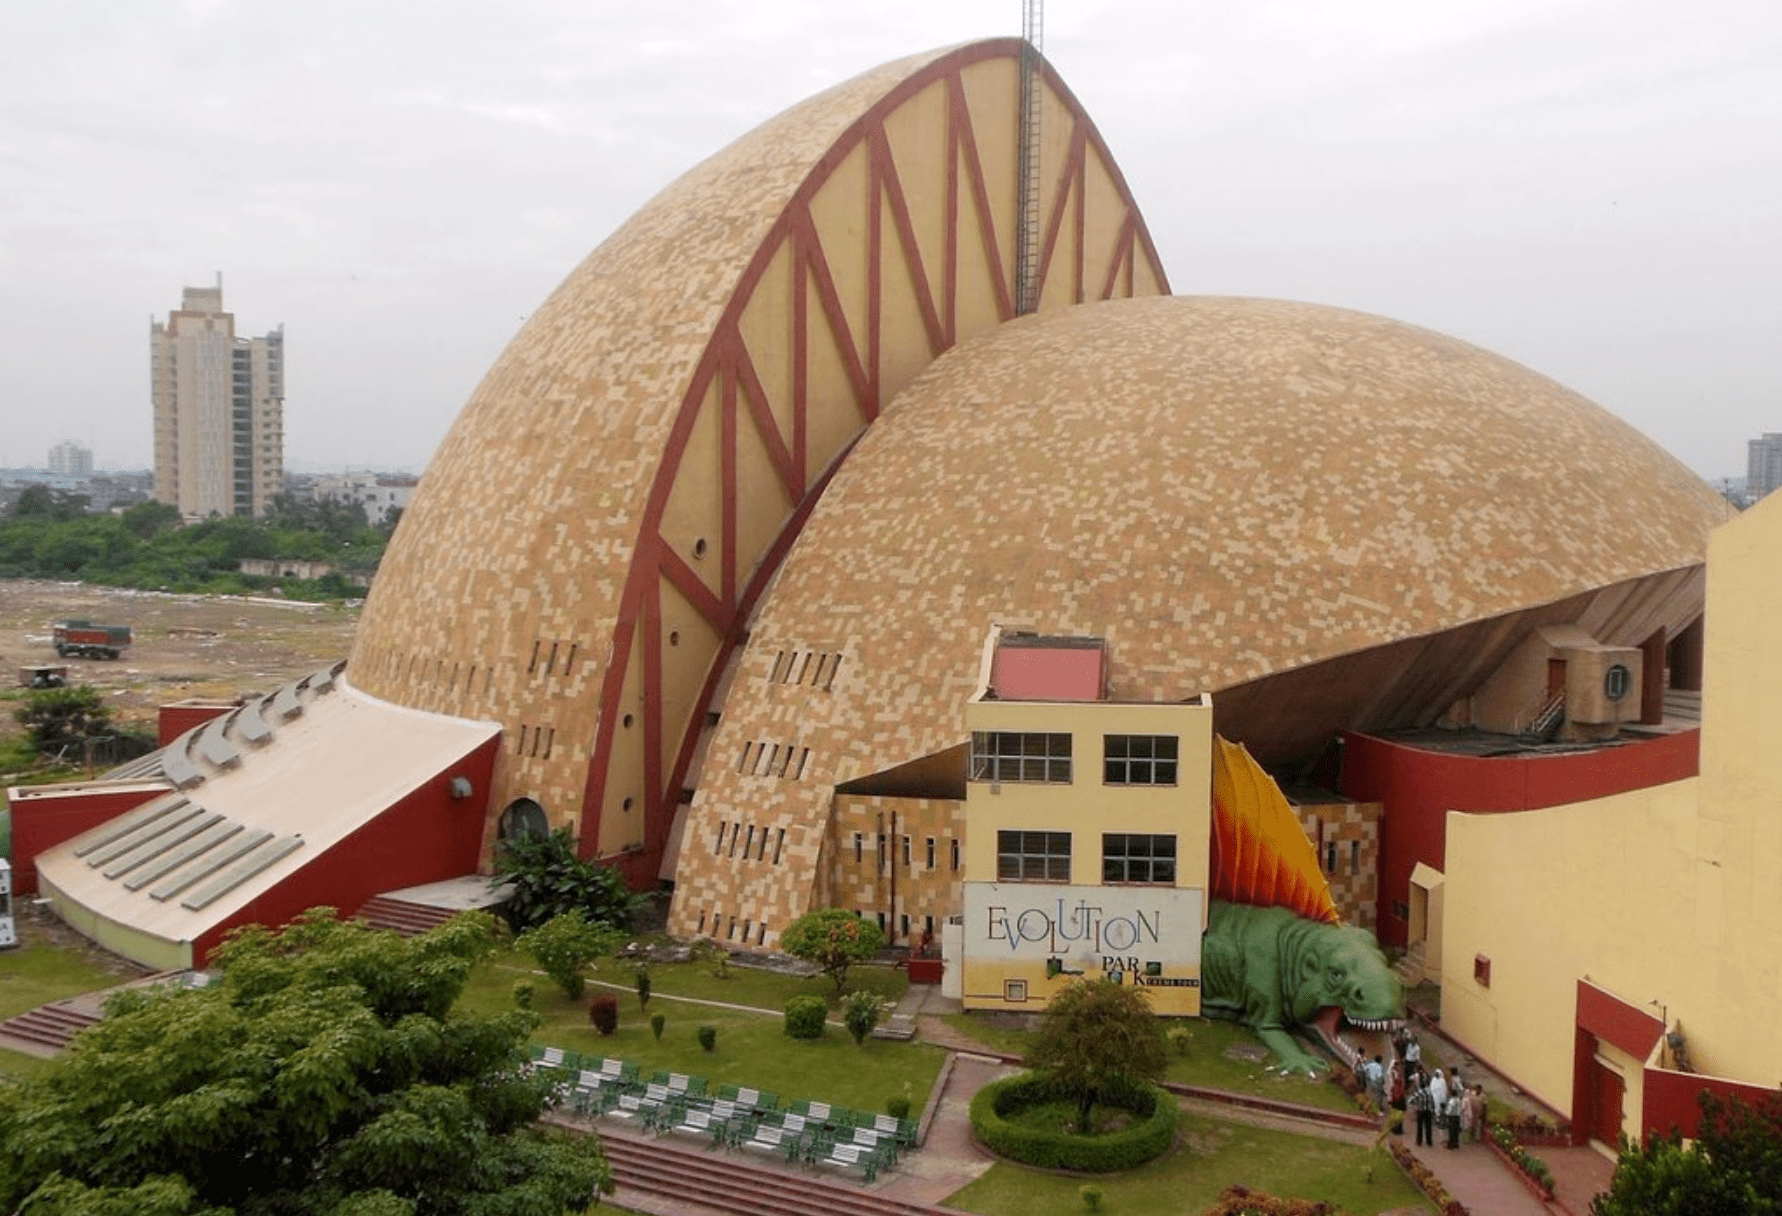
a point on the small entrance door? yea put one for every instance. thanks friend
(1606, 1089)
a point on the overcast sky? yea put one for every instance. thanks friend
(1590, 187)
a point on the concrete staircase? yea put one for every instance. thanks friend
(670, 1177)
(408, 919)
(1410, 966)
(46, 1030)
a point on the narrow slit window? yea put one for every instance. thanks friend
(778, 840)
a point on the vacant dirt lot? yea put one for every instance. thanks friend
(185, 645)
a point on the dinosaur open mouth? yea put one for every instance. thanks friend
(1353, 1040)
(1387, 1024)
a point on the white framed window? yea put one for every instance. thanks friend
(1000, 755)
(1137, 857)
(1139, 759)
(1032, 856)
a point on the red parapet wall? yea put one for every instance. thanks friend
(45, 816)
(1418, 788)
(428, 836)
(172, 721)
(1671, 1100)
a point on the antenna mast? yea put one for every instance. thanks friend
(1027, 227)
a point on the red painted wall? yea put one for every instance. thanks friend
(172, 721)
(1669, 1099)
(1613, 1020)
(42, 820)
(425, 837)
(1418, 788)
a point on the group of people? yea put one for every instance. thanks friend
(1459, 1107)
(1431, 1099)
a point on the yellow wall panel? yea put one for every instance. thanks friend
(917, 135)
(621, 829)
(907, 349)
(766, 327)
(840, 213)
(695, 510)
(1105, 218)
(828, 380)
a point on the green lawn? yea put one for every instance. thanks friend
(1216, 1058)
(1209, 1156)
(34, 975)
(752, 1048)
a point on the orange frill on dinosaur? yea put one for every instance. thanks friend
(1260, 852)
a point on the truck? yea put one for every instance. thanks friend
(86, 640)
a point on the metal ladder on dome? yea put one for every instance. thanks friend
(1027, 226)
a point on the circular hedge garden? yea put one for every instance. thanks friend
(1151, 1132)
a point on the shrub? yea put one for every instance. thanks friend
(1181, 1038)
(898, 1107)
(564, 946)
(833, 939)
(643, 985)
(1091, 1196)
(657, 1022)
(1238, 1200)
(545, 879)
(1152, 1131)
(861, 1011)
(708, 1037)
(805, 1015)
(523, 990)
(603, 1012)
(1426, 1181)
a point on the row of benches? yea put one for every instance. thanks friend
(817, 1133)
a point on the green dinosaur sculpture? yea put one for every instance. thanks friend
(1271, 969)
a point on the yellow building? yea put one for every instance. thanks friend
(1087, 831)
(1617, 956)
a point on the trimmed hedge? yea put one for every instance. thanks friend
(1150, 1135)
(805, 1016)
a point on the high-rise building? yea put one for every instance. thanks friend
(219, 410)
(1763, 466)
(70, 459)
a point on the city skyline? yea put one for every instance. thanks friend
(1584, 188)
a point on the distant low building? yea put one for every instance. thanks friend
(378, 493)
(297, 567)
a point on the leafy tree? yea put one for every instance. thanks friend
(1097, 1035)
(547, 879)
(60, 718)
(1733, 1168)
(324, 1075)
(834, 940)
(147, 520)
(565, 945)
(42, 502)
(861, 1012)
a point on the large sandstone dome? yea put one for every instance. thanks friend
(1226, 489)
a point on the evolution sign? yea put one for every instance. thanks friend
(1149, 936)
